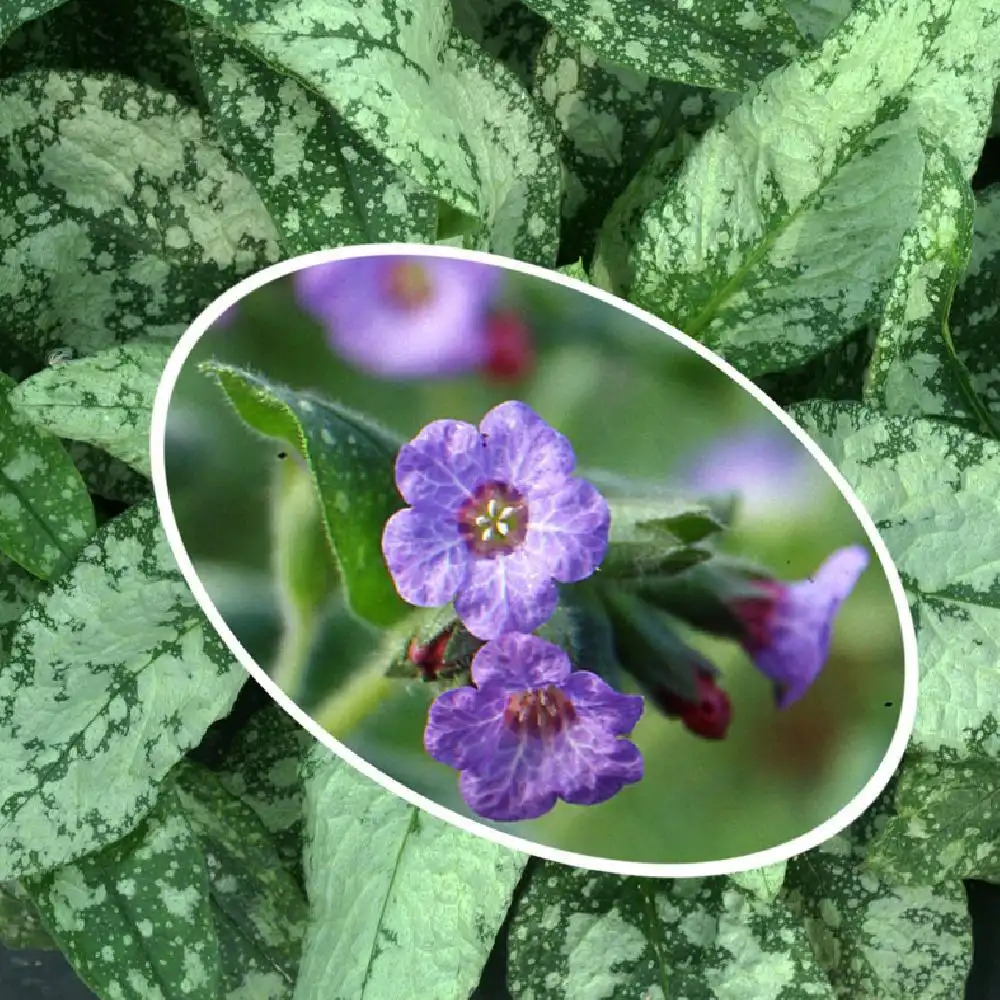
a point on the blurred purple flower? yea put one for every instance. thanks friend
(496, 517)
(789, 627)
(768, 468)
(403, 317)
(532, 731)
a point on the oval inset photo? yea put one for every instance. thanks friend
(534, 560)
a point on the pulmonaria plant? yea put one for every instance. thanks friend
(533, 730)
(496, 519)
(409, 317)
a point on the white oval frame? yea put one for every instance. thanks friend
(725, 866)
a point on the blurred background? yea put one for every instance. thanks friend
(635, 403)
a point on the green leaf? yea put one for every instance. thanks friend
(947, 825)
(14, 13)
(579, 933)
(914, 370)
(508, 30)
(322, 184)
(122, 216)
(773, 240)
(18, 588)
(134, 919)
(262, 770)
(105, 400)
(121, 645)
(46, 515)
(351, 462)
(727, 44)
(611, 120)
(432, 103)
(816, 19)
(764, 883)
(876, 940)
(20, 924)
(426, 899)
(258, 909)
(108, 477)
(930, 488)
(975, 315)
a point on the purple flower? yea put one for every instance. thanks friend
(770, 470)
(403, 317)
(496, 517)
(533, 730)
(788, 628)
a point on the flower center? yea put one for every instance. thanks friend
(409, 285)
(542, 712)
(494, 520)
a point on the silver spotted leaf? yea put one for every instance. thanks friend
(120, 644)
(878, 940)
(135, 919)
(764, 883)
(508, 30)
(975, 314)
(431, 102)
(816, 19)
(258, 909)
(122, 216)
(46, 514)
(914, 370)
(108, 477)
(930, 488)
(728, 44)
(611, 119)
(579, 933)
(426, 899)
(105, 399)
(18, 588)
(351, 462)
(14, 13)
(323, 185)
(774, 238)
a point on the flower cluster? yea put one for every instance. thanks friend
(496, 521)
(404, 317)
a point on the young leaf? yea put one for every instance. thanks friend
(947, 825)
(878, 940)
(975, 317)
(914, 370)
(322, 184)
(258, 909)
(123, 218)
(773, 240)
(134, 919)
(930, 489)
(351, 463)
(433, 104)
(46, 515)
(577, 933)
(725, 44)
(105, 400)
(427, 899)
(611, 119)
(120, 644)
(20, 924)
(262, 770)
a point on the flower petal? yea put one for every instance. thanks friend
(517, 785)
(441, 466)
(518, 662)
(508, 593)
(465, 726)
(426, 555)
(593, 697)
(524, 451)
(594, 765)
(568, 529)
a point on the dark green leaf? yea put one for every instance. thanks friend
(46, 515)
(508, 30)
(351, 462)
(20, 924)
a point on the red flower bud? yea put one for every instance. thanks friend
(430, 659)
(510, 351)
(707, 717)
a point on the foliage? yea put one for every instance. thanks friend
(780, 181)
